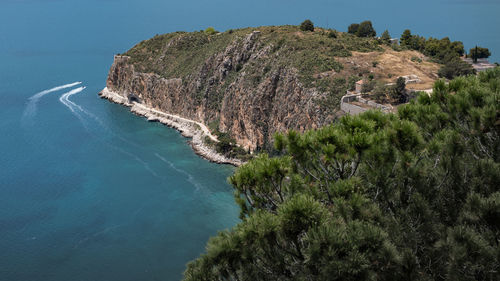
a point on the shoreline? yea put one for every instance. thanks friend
(188, 128)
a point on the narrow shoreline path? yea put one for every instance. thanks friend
(204, 128)
(187, 127)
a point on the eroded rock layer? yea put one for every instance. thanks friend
(250, 107)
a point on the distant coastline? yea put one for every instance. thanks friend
(188, 128)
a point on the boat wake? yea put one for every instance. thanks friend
(76, 109)
(73, 106)
(190, 177)
(137, 158)
(64, 99)
(30, 110)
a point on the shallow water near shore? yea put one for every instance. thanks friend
(89, 191)
(113, 197)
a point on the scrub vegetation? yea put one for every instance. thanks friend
(443, 51)
(180, 54)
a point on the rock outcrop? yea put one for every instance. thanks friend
(188, 128)
(251, 108)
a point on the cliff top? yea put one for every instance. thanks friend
(324, 58)
(247, 84)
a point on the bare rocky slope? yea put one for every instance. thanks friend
(249, 83)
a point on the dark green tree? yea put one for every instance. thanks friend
(405, 38)
(443, 50)
(416, 43)
(407, 196)
(366, 29)
(386, 38)
(455, 67)
(479, 53)
(440, 50)
(399, 91)
(224, 145)
(353, 28)
(307, 25)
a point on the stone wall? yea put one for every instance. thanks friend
(352, 109)
(346, 104)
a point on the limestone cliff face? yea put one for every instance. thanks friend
(251, 108)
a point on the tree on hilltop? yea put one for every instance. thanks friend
(353, 28)
(366, 29)
(307, 25)
(405, 38)
(386, 37)
(211, 31)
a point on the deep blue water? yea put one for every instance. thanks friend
(89, 191)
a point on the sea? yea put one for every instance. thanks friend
(89, 191)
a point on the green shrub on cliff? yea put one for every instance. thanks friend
(407, 196)
(386, 37)
(226, 145)
(353, 28)
(211, 31)
(479, 53)
(364, 29)
(454, 68)
(332, 34)
(307, 25)
(180, 54)
(443, 51)
(216, 61)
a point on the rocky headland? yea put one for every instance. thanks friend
(245, 84)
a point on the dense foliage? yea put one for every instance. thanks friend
(226, 145)
(386, 37)
(454, 68)
(307, 25)
(211, 31)
(442, 50)
(364, 29)
(479, 53)
(399, 90)
(407, 196)
(353, 28)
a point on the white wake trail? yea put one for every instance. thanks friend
(190, 177)
(30, 110)
(144, 163)
(64, 99)
(99, 121)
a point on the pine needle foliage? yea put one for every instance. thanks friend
(407, 196)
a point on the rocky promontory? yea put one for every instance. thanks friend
(247, 84)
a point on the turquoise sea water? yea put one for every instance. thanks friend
(89, 191)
